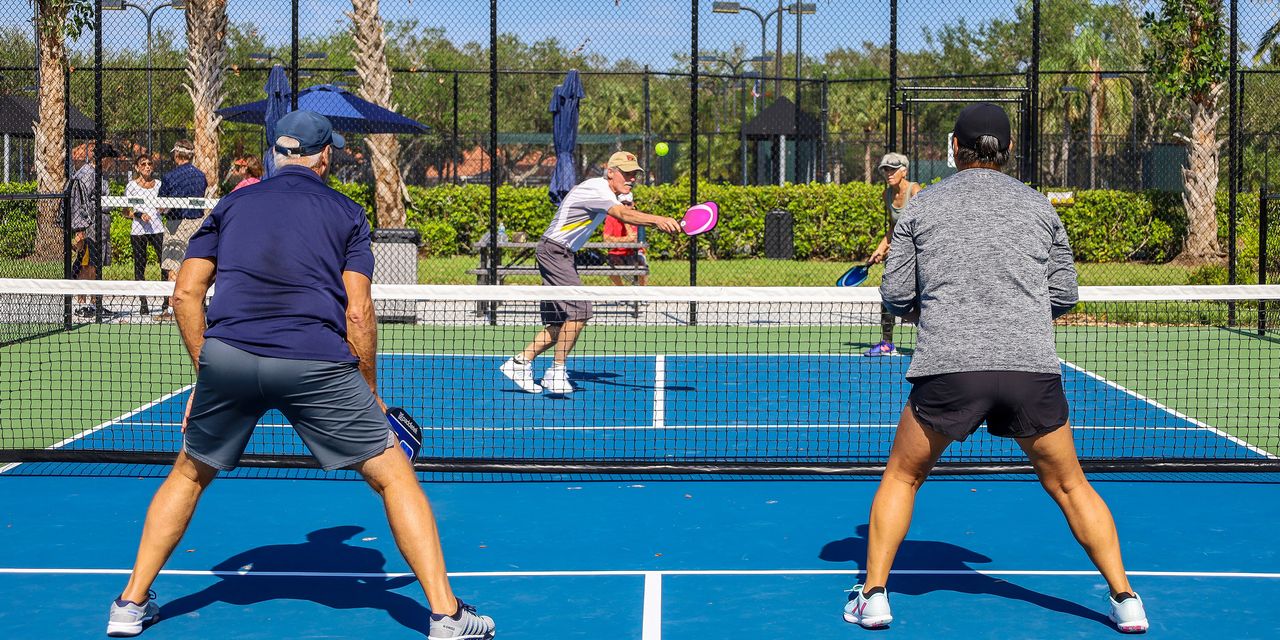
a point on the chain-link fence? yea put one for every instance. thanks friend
(762, 107)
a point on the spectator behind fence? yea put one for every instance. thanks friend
(90, 228)
(184, 181)
(616, 230)
(147, 229)
(245, 171)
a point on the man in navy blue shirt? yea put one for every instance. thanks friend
(184, 181)
(292, 328)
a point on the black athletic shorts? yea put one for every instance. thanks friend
(1014, 404)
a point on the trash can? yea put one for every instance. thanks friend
(779, 235)
(395, 261)
(395, 256)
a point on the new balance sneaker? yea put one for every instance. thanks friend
(557, 380)
(868, 612)
(521, 374)
(128, 619)
(1128, 613)
(466, 624)
(885, 348)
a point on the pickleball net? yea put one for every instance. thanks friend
(668, 380)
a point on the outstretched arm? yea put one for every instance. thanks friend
(642, 219)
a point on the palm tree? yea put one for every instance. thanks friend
(206, 64)
(56, 21)
(375, 86)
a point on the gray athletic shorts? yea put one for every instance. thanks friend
(328, 403)
(555, 263)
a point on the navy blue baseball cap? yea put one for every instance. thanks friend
(312, 131)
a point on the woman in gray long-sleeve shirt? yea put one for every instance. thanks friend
(982, 262)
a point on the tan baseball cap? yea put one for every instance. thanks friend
(624, 161)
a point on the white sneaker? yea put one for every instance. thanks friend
(1129, 615)
(128, 619)
(869, 613)
(557, 380)
(521, 374)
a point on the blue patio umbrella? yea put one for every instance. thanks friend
(564, 134)
(348, 113)
(279, 97)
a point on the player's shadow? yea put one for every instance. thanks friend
(933, 555)
(325, 552)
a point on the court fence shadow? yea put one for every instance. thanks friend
(954, 573)
(325, 552)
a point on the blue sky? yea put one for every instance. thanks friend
(647, 31)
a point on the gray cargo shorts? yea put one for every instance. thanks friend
(328, 403)
(555, 263)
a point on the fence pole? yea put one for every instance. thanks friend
(456, 147)
(648, 132)
(293, 56)
(1233, 146)
(99, 135)
(1264, 221)
(1033, 137)
(823, 140)
(892, 133)
(493, 145)
(693, 155)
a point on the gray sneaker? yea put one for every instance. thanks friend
(128, 619)
(467, 625)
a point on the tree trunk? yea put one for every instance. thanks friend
(50, 131)
(206, 62)
(389, 192)
(1200, 181)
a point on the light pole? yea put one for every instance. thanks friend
(742, 101)
(121, 5)
(799, 10)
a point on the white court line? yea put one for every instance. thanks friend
(690, 427)
(1257, 575)
(659, 392)
(651, 628)
(1177, 414)
(116, 421)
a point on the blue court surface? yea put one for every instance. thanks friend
(987, 557)
(667, 407)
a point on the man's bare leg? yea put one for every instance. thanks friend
(167, 519)
(412, 524)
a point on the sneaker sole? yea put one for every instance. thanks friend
(1137, 626)
(130, 629)
(486, 636)
(876, 622)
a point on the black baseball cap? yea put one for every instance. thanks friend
(982, 119)
(312, 131)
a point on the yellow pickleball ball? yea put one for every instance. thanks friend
(661, 148)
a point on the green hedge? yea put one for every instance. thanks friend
(17, 221)
(832, 222)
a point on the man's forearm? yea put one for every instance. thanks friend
(362, 335)
(189, 313)
(632, 216)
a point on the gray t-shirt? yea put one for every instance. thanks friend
(985, 260)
